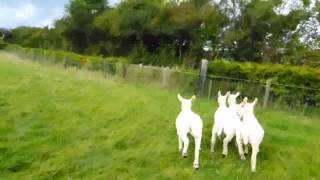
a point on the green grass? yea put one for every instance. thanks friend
(71, 124)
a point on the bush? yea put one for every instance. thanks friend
(310, 58)
(68, 58)
(293, 85)
(2, 45)
(290, 84)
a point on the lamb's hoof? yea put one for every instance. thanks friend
(223, 155)
(196, 167)
(242, 157)
(253, 170)
(184, 155)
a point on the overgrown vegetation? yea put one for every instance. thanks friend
(293, 85)
(300, 85)
(60, 124)
(166, 32)
(67, 58)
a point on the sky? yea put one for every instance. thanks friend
(39, 13)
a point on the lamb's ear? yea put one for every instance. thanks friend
(193, 97)
(219, 93)
(228, 93)
(244, 101)
(255, 101)
(179, 97)
(237, 94)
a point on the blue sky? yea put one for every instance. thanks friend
(39, 13)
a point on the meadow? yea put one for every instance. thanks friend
(76, 124)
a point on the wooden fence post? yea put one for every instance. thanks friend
(124, 70)
(210, 89)
(104, 69)
(140, 73)
(65, 63)
(165, 75)
(305, 106)
(203, 75)
(266, 93)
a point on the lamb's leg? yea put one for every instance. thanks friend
(246, 151)
(196, 152)
(240, 147)
(245, 142)
(213, 140)
(180, 143)
(226, 140)
(255, 150)
(185, 140)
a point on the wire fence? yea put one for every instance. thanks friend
(271, 95)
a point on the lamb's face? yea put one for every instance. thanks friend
(241, 108)
(186, 103)
(246, 107)
(232, 98)
(222, 98)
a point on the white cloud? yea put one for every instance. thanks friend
(13, 16)
(54, 14)
(30, 13)
(3, 12)
(24, 12)
(39, 13)
(114, 2)
(7, 16)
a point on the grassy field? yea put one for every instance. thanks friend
(71, 124)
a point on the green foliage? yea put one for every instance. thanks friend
(35, 37)
(291, 76)
(2, 45)
(67, 58)
(310, 58)
(76, 27)
(167, 32)
(259, 33)
(60, 124)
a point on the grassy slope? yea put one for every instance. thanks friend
(59, 124)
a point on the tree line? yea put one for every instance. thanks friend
(167, 32)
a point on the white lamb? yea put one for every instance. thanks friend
(234, 116)
(219, 118)
(189, 122)
(251, 130)
(226, 120)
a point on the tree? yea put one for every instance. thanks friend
(259, 32)
(76, 26)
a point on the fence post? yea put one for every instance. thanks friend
(140, 74)
(203, 75)
(124, 70)
(104, 69)
(65, 63)
(305, 106)
(266, 93)
(165, 74)
(210, 89)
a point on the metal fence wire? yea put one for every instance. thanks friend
(303, 100)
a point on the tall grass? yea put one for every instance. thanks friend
(74, 124)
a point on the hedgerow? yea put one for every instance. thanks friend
(291, 84)
(294, 85)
